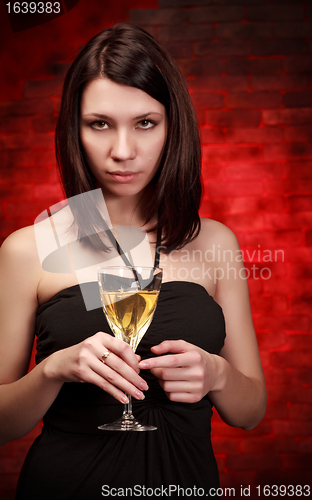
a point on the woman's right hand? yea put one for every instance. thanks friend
(82, 362)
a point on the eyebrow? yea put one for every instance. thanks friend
(106, 117)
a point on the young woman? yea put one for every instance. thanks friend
(127, 126)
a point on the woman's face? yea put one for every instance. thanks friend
(123, 132)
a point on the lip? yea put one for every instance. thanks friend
(123, 176)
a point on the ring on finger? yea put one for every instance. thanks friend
(105, 356)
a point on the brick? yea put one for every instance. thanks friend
(243, 222)
(243, 30)
(267, 445)
(299, 203)
(183, 3)
(288, 285)
(29, 209)
(212, 136)
(256, 204)
(233, 118)
(288, 359)
(233, 188)
(259, 66)
(17, 192)
(298, 99)
(43, 88)
(26, 158)
(222, 48)
(207, 66)
(278, 82)
(44, 124)
(207, 100)
(11, 124)
(301, 376)
(59, 69)
(253, 461)
(262, 99)
(282, 477)
(298, 134)
(292, 30)
(278, 46)
(26, 107)
(287, 116)
(255, 135)
(304, 446)
(226, 446)
(214, 155)
(309, 237)
(269, 304)
(300, 341)
(300, 411)
(292, 428)
(276, 411)
(216, 14)
(177, 33)
(179, 49)
(43, 191)
(276, 152)
(275, 13)
(272, 239)
(253, 171)
(267, 340)
(275, 377)
(298, 64)
(157, 16)
(301, 270)
(215, 206)
(204, 84)
(23, 141)
(295, 461)
(290, 393)
(290, 221)
(264, 271)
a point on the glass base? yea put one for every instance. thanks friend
(127, 423)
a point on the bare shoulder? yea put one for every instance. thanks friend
(216, 233)
(18, 255)
(20, 245)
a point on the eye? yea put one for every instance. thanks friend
(99, 125)
(146, 124)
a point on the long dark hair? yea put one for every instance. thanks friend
(128, 55)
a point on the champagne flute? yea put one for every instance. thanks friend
(129, 297)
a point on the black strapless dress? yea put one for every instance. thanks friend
(73, 460)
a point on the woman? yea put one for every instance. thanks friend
(127, 126)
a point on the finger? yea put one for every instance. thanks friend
(107, 378)
(120, 348)
(168, 361)
(127, 372)
(182, 374)
(174, 346)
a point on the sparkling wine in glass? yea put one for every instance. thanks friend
(129, 297)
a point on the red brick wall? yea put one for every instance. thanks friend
(248, 65)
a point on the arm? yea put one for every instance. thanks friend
(234, 380)
(25, 397)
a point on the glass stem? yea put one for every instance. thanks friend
(128, 407)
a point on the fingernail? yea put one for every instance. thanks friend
(144, 386)
(124, 399)
(144, 364)
(139, 395)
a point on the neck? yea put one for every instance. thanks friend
(127, 210)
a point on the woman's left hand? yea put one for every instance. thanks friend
(187, 374)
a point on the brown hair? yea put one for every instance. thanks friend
(128, 55)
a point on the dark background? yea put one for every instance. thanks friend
(248, 65)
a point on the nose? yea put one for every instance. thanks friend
(123, 146)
